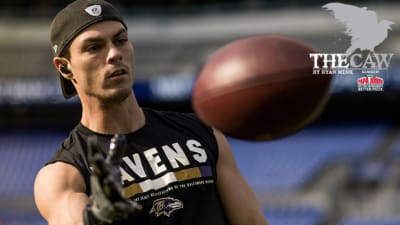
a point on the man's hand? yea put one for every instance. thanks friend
(106, 203)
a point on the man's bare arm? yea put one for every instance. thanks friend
(60, 194)
(238, 199)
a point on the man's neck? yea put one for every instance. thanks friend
(123, 117)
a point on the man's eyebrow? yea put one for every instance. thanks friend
(121, 31)
(92, 39)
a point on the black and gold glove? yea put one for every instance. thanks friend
(106, 204)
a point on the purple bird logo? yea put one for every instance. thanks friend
(165, 206)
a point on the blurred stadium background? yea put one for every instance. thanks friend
(344, 169)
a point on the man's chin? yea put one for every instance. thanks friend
(117, 96)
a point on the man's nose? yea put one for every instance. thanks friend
(114, 54)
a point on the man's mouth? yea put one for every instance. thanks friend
(117, 73)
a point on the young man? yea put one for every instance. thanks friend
(175, 169)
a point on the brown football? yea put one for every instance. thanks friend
(260, 88)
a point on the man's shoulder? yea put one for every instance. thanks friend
(70, 141)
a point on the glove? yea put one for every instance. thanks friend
(106, 204)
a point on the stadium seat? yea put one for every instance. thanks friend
(299, 215)
(22, 155)
(16, 218)
(395, 147)
(369, 221)
(288, 163)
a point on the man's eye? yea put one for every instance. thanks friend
(121, 41)
(92, 48)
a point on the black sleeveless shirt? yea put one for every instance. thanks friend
(169, 168)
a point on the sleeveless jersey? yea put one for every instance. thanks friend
(169, 168)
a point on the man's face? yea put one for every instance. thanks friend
(102, 62)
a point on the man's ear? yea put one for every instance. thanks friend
(62, 65)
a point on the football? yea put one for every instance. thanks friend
(260, 88)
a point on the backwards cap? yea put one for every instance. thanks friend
(72, 20)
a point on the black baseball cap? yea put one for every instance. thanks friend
(72, 20)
